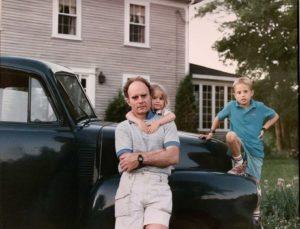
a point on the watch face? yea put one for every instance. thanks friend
(140, 158)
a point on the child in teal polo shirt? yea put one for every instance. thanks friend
(249, 119)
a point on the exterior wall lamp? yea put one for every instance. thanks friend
(101, 77)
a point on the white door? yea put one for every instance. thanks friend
(87, 79)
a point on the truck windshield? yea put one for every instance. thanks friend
(74, 96)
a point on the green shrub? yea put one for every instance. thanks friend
(280, 205)
(185, 107)
(117, 109)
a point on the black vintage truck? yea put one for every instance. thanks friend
(58, 167)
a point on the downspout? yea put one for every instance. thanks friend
(187, 39)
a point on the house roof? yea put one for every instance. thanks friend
(201, 70)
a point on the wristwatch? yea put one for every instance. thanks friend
(212, 131)
(264, 129)
(140, 159)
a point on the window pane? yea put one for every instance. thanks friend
(137, 23)
(83, 83)
(196, 96)
(206, 107)
(230, 95)
(66, 24)
(73, 6)
(67, 17)
(61, 6)
(41, 109)
(137, 14)
(219, 101)
(67, 6)
(13, 96)
(137, 33)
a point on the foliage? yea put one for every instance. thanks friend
(185, 108)
(117, 109)
(280, 205)
(280, 196)
(262, 39)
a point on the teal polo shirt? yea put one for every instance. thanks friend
(247, 123)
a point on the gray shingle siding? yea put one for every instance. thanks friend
(27, 31)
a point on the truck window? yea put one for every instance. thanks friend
(74, 96)
(41, 109)
(14, 92)
(17, 91)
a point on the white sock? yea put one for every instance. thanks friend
(238, 160)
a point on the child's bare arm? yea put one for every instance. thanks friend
(168, 117)
(268, 124)
(141, 124)
(213, 128)
(271, 122)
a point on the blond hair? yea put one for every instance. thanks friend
(243, 80)
(160, 88)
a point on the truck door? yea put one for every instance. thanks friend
(37, 156)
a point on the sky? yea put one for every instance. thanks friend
(203, 33)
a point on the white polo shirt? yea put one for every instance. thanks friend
(129, 138)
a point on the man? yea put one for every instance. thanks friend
(144, 198)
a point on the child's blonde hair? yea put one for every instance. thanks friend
(160, 88)
(243, 80)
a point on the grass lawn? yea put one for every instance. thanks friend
(280, 193)
(279, 168)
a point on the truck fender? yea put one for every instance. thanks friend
(102, 202)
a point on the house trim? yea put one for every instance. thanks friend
(211, 77)
(169, 3)
(187, 38)
(55, 33)
(127, 21)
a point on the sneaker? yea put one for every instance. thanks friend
(238, 169)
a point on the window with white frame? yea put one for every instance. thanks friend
(211, 99)
(137, 23)
(67, 19)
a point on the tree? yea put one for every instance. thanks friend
(262, 39)
(117, 109)
(185, 108)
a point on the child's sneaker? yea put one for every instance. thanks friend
(238, 169)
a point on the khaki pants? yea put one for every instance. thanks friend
(143, 198)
